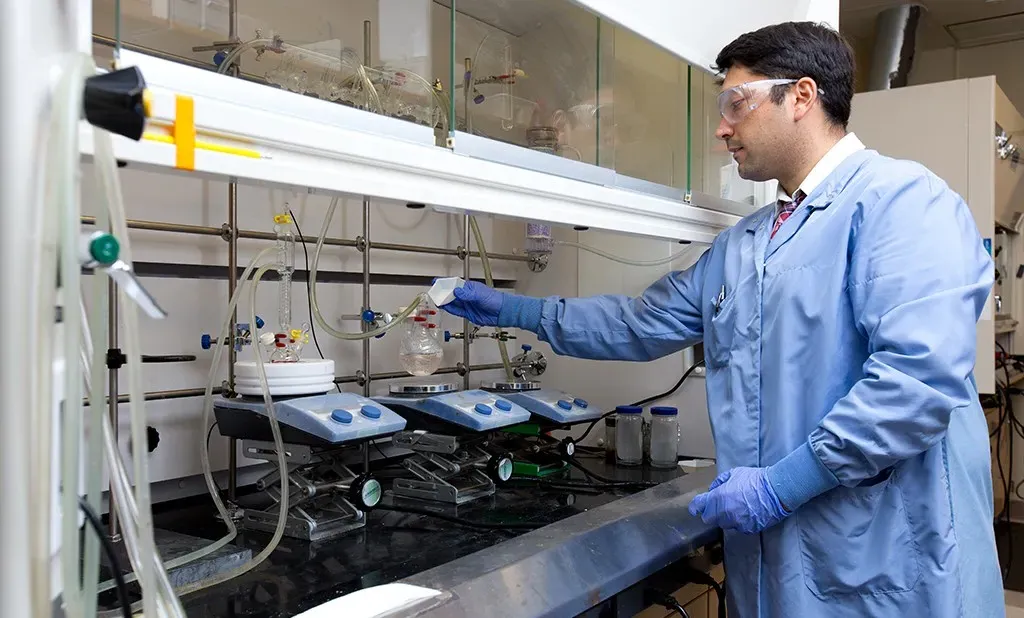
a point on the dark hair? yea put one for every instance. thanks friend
(794, 50)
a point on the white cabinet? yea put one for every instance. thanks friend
(949, 127)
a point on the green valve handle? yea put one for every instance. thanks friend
(101, 252)
(99, 249)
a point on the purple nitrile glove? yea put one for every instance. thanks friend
(477, 302)
(741, 499)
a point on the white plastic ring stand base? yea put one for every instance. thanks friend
(306, 377)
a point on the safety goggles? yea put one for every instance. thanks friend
(736, 103)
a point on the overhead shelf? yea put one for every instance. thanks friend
(266, 135)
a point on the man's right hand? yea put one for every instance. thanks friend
(477, 302)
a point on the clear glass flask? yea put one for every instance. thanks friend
(420, 352)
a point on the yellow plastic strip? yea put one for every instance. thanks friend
(231, 150)
(185, 132)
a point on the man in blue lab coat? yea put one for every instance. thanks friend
(839, 334)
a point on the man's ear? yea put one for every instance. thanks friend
(805, 92)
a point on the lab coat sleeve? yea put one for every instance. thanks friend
(919, 278)
(665, 318)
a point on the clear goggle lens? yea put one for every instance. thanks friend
(736, 103)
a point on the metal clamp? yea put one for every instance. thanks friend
(243, 336)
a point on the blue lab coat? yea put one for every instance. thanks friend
(850, 335)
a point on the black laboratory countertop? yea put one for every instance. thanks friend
(392, 546)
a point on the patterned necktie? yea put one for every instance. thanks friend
(784, 209)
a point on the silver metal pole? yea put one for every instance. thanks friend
(235, 69)
(112, 388)
(465, 323)
(232, 355)
(207, 230)
(367, 60)
(233, 20)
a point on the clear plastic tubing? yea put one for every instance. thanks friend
(629, 439)
(275, 427)
(278, 445)
(150, 571)
(664, 437)
(399, 319)
(615, 258)
(502, 349)
(64, 206)
(212, 381)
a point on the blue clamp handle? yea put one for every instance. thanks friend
(526, 347)
(219, 57)
(369, 316)
(259, 322)
(206, 341)
(447, 336)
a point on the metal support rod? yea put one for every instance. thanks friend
(394, 375)
(467, 80)
(184, 393)
(466, 326)
(366, 292)
(367, 61)
(232, 19)
(112, 388)
(204, 230)
(181, 393)
(233, 70)
(106, 41)
(232, 284)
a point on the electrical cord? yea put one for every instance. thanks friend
(666, 600)
(1007, 477)
(646, 401)
(604, 480)
(674, 388)
(696, 576)
(559, 484)
(108, 549)
(592, 425)
(309, 297)
(481, 525)
(208, 434)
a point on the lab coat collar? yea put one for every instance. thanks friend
(839, 152)
(823, 194)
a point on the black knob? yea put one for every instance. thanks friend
(116, 101)
(365, 492)
(500, 467)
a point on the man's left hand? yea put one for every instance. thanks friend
(741, 499)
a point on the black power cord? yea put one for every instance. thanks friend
(481, 525)
(604, 481)
(208, 434)
(108, 549)
(646, 401)
(674, 388)
(592, 425)
(657, 597)
(309, 293)
(696, 576)
(1007, 414)
(573, 485)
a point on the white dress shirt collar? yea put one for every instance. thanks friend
(845, 147)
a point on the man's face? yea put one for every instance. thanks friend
(758, 139)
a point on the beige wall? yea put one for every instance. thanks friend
(1002, 60)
